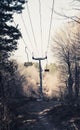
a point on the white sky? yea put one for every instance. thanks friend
(46, 6)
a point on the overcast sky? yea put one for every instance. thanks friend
(61, 6)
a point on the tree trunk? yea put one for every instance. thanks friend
(76, 81)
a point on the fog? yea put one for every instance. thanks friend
(31, 85)
(51, 82)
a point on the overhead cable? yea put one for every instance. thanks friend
(26, 30)
(50, 25)
(23, 40)
(32, 27)
(41, 25)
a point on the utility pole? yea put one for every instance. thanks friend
(40, 72)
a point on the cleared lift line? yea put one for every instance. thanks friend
(40, 59)
(43, 58)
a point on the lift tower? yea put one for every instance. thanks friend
(40, 70)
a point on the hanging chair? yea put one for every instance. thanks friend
(28, 64)
(46, 70)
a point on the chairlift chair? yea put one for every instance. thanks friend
(46, 70)
(28, 64)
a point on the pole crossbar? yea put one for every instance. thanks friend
(39, 58)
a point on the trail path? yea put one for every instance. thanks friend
(33, 116)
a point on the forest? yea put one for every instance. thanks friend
(21, 104)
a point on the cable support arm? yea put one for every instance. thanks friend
(39, 58)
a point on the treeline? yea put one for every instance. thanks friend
(9, 78)
(66, 49)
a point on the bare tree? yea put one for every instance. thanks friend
(66, 13)
(66, 49)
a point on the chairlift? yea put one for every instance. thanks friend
(46, 70)
(27, 63)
